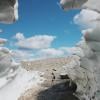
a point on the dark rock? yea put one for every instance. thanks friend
(64, 76)
(62, 91)
(68, 86)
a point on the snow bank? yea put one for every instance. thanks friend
(86, 70)
(15, 80)
(23, 81)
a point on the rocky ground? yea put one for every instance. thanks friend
(56, 85)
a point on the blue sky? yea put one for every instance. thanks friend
(44, 17)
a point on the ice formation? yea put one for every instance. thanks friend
(23, 81)
(85, 70)
(8, 11)
(15, 80)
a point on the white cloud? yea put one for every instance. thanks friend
(50, 52)
(87, 18)
(19, 36)
(72, 50)
(35, 42)
(20, 55)
(60, 52)
(40, 47)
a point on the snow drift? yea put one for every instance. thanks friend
(85, 70)
(15, 80)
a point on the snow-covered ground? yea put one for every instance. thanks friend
(15, 80)
(23, 81)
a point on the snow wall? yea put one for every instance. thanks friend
(85, 70)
